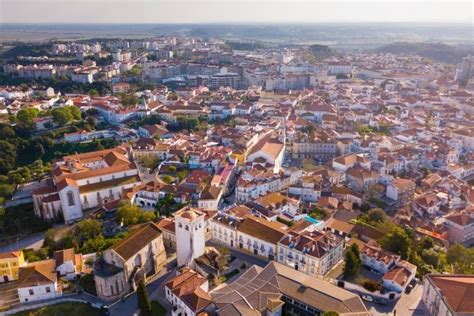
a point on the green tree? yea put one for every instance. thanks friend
(8, 157)
(6, 190)
(26, 116)
(93, 93)
(355, 249)
(91, 121)
(147, 216)
(75, 112)
(398, 242)
(377, 215)
(143, 301)
(168, 179)
(430, 256)
(461, 259)
(20, 175)
(426, 243)
(97, 244)
(62, 115)
(88, 228)
(128, 99)
(350, 265)
(50, 238)
(128, 214)
(7, 133)
(182, 175)
(330, 313)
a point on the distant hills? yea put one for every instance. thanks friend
(436, 51)
(340, 36)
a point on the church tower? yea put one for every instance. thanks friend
(190, 236)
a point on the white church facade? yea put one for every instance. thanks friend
(85, 181)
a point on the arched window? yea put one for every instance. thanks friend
(70, 198)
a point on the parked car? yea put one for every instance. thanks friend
(381, 301)
(367, 298)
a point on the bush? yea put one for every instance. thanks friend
(32, 255)
(371, 286)
(286, 222)
(377, 215)
(168, 179)
(147, 216)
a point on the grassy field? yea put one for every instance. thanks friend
(63, 309)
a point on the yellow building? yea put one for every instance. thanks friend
(10, 263)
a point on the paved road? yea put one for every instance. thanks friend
(411, 304)
(34, 241)
(407, 305)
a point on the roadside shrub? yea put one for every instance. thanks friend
(371, 286)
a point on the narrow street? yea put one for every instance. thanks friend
(407, 305)
(34, 241)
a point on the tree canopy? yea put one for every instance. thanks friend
(398, 242)
(377, 215)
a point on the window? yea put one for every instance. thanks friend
(48, 289)
(70, 198)
(31, 292)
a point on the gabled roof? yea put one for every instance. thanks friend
(460, 219)
(456, 290)
(10, 255)
(38, 273)
(262, 229)
(137, 240)
(62, 256)
(187, 286)
(258, 289)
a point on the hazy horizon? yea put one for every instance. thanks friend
(232, 12)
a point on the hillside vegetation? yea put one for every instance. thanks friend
(436, 51)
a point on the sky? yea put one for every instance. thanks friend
(234, 11)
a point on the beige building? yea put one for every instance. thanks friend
(313, 253)
(460, 228)
(133, 259)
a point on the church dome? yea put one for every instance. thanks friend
(190, 214)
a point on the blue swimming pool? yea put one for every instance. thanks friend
(312, 220)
